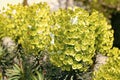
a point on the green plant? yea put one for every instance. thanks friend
(78, 37)
(1, 52)
(73, 38)
(29, 28)
(110, 70)
(107, 7)
(17, 73)
(27, 25)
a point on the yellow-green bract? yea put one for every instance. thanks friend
(111, 70)
(78, 36)
(28, 25)
(72, 36)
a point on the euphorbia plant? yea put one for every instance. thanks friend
(28, 26)
(110, 70)
(78, 36)
(73, 37)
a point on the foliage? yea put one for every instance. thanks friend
(27, 25)
(111, 10)
(1, 52)
(110, 70)
(106, 6)
(19, 73)
(73, 38)
(29, 28)
(78, 37)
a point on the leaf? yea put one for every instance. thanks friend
(40, 76)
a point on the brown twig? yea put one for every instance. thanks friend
(25, 2)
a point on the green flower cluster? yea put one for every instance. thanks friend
(110, 71)
(73, 37)
(28, 25)
(78, 36)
